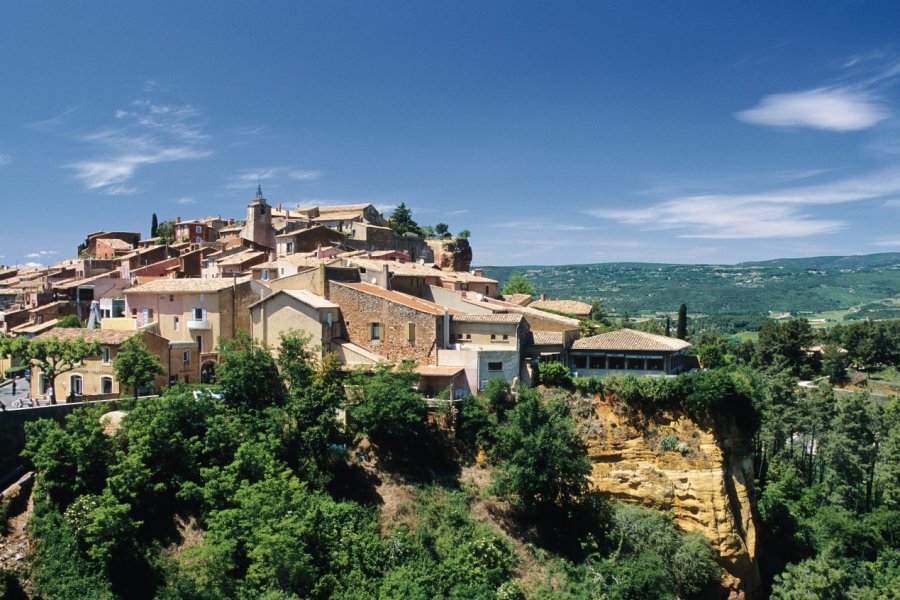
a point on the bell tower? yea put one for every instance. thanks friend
(258, 227)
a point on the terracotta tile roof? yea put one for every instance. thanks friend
(464, 277)
(548, 338)
(397, 297)
(501, 306)
(239, 258)
(112, 337)
(337, 216)
(342, 208)
(629, 339)
(495, 318)
(308, 298)
(116, 243)
(572, 307)
(185, 286)
(34, 327)
(437, 371)
(519, 299)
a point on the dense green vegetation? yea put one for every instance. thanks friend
(254, 495)
(809, 285)
(262, 493)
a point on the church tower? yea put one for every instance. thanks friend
(258, 227)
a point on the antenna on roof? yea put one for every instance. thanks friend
(258, 187)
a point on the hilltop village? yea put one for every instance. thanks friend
(345, 276)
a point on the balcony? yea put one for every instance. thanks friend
(198, 324)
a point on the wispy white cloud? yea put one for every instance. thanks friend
(5, 159)
(32, 264)
(541, 225)
(41, 253)
(887, 243)
(148, 133)
(836, 109)
(892, 204)
(249, 177)
(780, 213)
(184, 200)
(54, 121)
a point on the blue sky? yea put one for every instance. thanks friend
(555, 132)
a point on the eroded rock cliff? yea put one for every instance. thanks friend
(701, 472)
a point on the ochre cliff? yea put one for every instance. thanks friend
(703, 474)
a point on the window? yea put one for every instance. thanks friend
(289, 247)
(106, 385)
(375, 332)
(44, 385)
(198, 229)
(104, 354)
(133, 312)
(493, 336)
(176, 323)
(495, 366)
(265, 274)
(505, 337)
(411, 332)
(198, 314)
(199, 343)
(186, 357)
(579, 362)
(76, 385)
(171, 297)
(598, 362)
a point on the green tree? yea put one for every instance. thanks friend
(850, 453)
(391, 412)
(135, 365)
(517, 284)
(402, 222)
(247, 373)
(834, 364)
(57, 356)
(542, 461)
(442, 230)
(69, 322)
(783, 345)
(166, 232)
(681, 324)
(154, 226)
(464, 234)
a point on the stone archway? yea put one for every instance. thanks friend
(208, 372)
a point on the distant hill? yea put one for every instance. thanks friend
(807, 285)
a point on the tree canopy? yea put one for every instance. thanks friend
(517, 284)
(135, 365)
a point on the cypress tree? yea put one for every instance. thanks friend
(154, 226)
(681, 326)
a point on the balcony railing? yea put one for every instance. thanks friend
(198, 324)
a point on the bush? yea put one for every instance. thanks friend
(555, 374)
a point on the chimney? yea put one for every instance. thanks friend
(478, 272)
(543, 297)
(178, 219)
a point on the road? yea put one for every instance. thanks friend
(7, 398)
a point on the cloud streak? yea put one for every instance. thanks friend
(780, 213)
(249, 178)
(147, 134)
(840, 109)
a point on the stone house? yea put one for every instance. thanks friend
(295, 310)
(307, 240)
(391, 324)
(95, 376)
(486, 347)
(196, 312)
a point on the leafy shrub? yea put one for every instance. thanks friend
(555, 374)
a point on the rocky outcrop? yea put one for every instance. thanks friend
(702, 473)
(452, 254)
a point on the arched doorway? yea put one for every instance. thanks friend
(208, 372)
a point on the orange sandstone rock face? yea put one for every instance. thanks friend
(704, 477)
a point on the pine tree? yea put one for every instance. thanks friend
(681, 326)
(154, 226)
